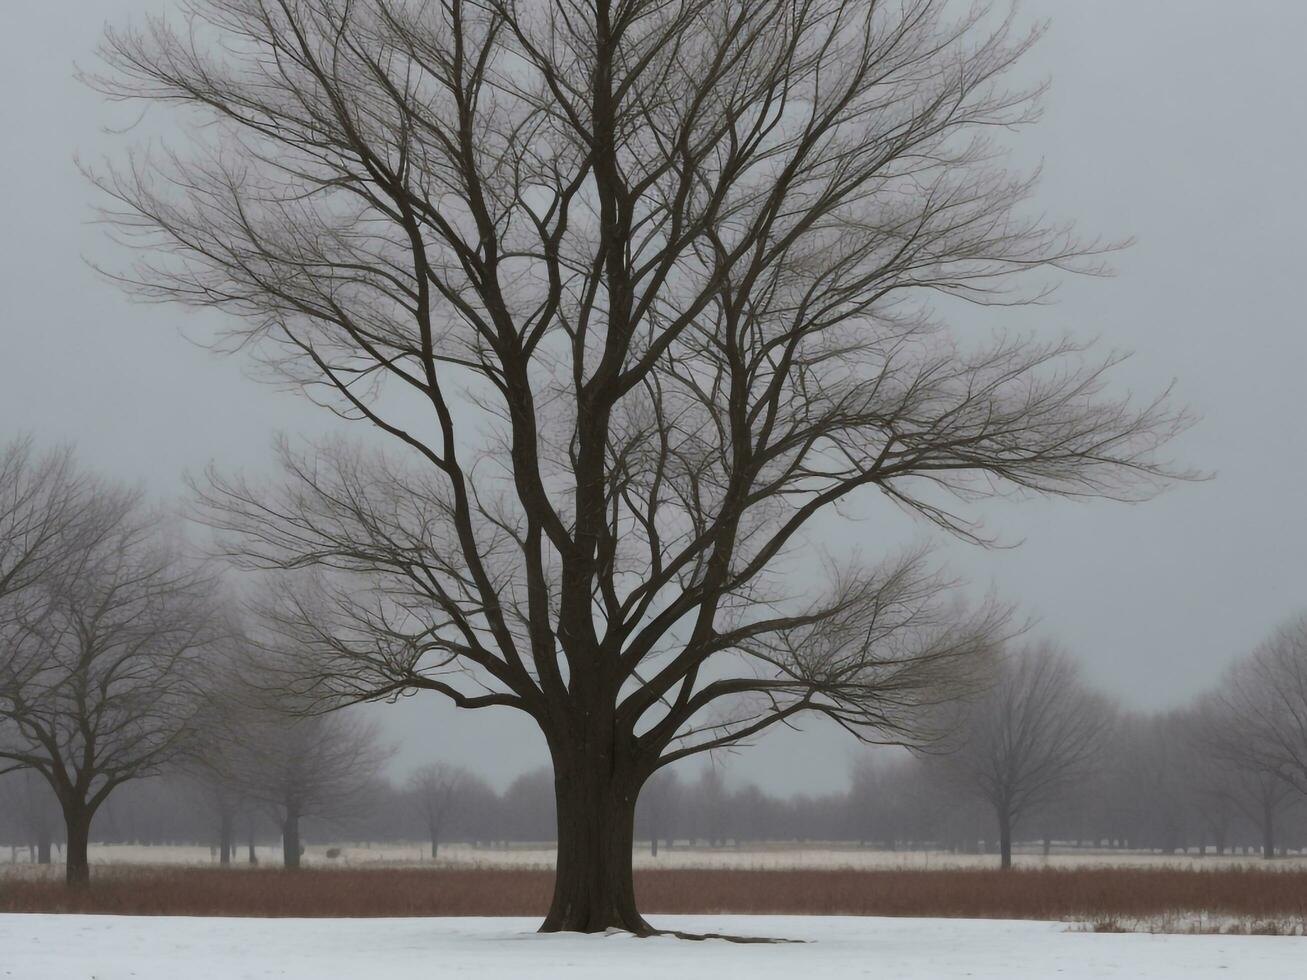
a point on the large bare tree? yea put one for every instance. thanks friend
(1032, 736)
(637, 290)
(102, 662)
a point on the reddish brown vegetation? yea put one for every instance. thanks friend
(1033, 894)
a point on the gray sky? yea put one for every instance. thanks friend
(1177, 121)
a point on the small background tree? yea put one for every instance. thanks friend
(1033, 735)
(306, 766)
(439, 792)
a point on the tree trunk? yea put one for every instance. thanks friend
(594, 888)
(435, 841)
(653, 845)
(290, 840)
(78, 824)
(225, 834)
(1004, 840)
(43, 844)
(1268, 833)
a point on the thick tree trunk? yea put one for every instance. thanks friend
(77, 821)
(594, 888)
(1004, 840)
(225, 835)
(290, 840)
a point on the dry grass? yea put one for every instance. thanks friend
(1092, 895)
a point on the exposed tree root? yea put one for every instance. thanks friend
(700, 936)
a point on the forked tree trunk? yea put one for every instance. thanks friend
(594, 888)
(77, 821)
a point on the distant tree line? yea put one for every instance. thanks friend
(1040, 761)
(140, 701)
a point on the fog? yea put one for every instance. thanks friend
(1177, 123)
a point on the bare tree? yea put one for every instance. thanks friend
(880, 792)
(709, 805)
(101, 664)
(1232, 775)
(1260, 726)
(224, 721)
(297, 767)
(661, 804)
(1265, 695)
(527, 808)
(1034, 734)
(637, 290)
(44, 515)
(438, 791)
(27, 797)
(1209, 779)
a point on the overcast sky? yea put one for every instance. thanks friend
(1180, 122)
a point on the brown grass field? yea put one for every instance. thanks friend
(1094, 895)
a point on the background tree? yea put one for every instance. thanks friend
(214, 757)
(1230, 779)
(101, 666)
(1265, 696)
(1158, 783)
(1257, 727)
(880, 795)
(316, 766)
(527, 808)
(33, 810)
(438, 792)
(710, 806)
(46, 515)
(656, 281)
(1033, 735)
(661, 809)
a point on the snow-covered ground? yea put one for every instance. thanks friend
(769, 856)
(79, 947)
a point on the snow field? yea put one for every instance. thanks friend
(78, 947)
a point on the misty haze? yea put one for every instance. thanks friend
(747, 486)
